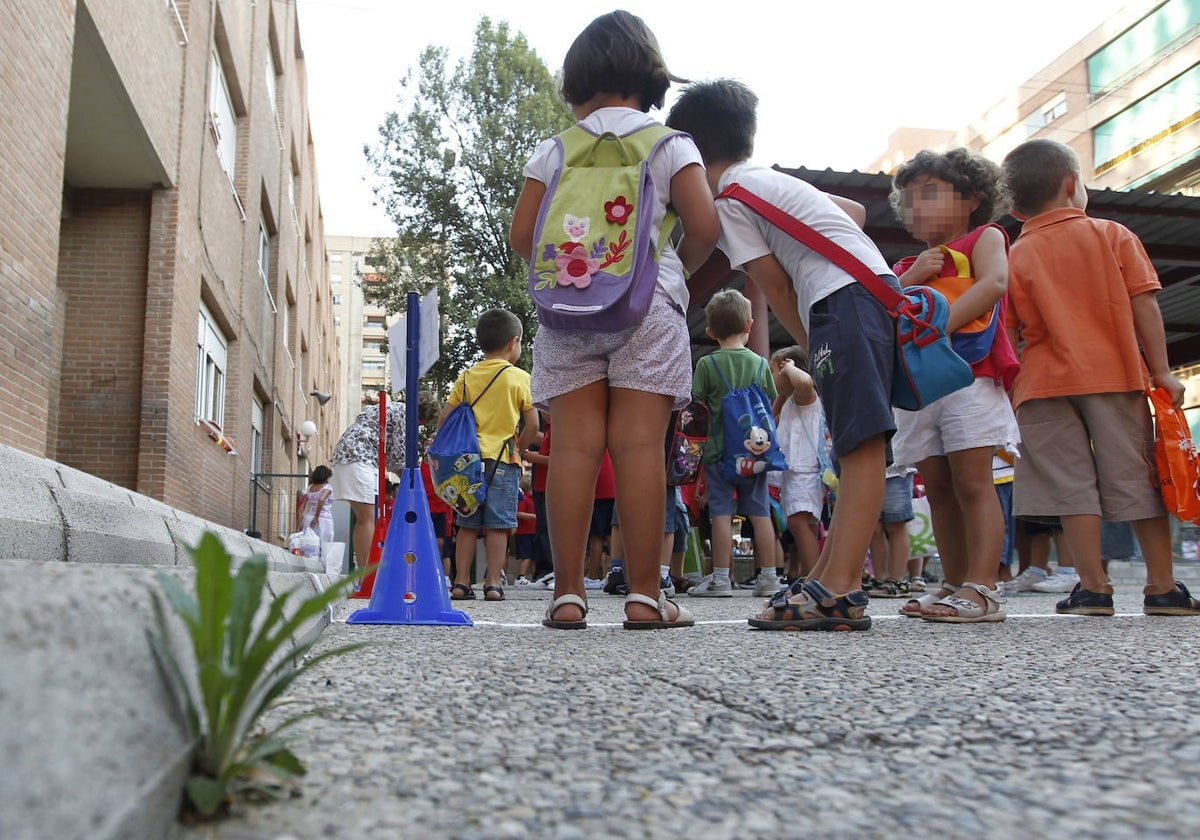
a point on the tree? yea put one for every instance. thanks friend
(449, 174)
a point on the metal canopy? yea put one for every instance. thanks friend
(1168, 225)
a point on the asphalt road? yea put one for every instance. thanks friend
(1040, 726)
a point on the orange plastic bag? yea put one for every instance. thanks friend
(1176, 458)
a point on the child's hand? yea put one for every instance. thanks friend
(928, 264)
(1172, 386)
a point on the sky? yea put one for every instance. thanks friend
(834, 79)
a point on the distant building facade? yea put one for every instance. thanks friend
(361, 326)
(1126, 98)
(161, 247)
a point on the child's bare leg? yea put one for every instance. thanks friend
(1154, 538)
(946, 517)
(805, 540)
(495, 548)
(638, 425)
(860, 499)
(764, 543)
(879, 552)
(898, 550)
(1082, 535)
(579, 419)
(464, 554)
(722, 541)
(981, 519)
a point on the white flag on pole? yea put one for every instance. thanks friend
(430, 341)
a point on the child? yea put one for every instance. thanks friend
(801, 428)
(526, 532)
(727, 318)
(728, 321)
(890, 552)
(848, 334)
(1083, 298)
(498, 407)
(948, 201)
(440, 513)
(617, 390)
(317, 505)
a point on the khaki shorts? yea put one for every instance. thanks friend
(1087, 454)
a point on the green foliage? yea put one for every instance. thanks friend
(449, 174)
(244, 663)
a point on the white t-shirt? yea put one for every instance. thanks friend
(746, 236)
(799, 432)
(672, 156)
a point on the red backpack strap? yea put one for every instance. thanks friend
(892, 300)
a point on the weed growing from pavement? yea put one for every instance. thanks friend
(243, 664)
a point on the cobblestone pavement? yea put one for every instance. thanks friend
(1040, 726)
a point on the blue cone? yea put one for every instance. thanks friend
(410, 587)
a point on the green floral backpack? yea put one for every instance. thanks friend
(595, 247)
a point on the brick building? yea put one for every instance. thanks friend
(159, 216)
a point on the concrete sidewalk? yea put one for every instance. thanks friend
(1040, 726)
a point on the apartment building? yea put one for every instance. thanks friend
(1126, 98)
(361, 326)
(164, 309)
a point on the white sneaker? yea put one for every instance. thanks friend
(710, 587)
(766, 585)
(667, 586)
(544, 582)
(590, 583)
(1023, 582)
(1063, 580)
(522, 581)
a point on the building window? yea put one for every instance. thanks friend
(1054, 109)
(271, 74)
(337, 320)
(1142, 44)
(1150, 120)
(336, 259)
(257, 422)
(337, 300)
(264, 253)
(224, 118)
(212, 351)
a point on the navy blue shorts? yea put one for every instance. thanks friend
(851, 353)
(602, 518)
(524, 546)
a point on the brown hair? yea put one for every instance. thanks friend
(727, 313)
(721, 116)
(616, 53)
(1034, 172)
(971, 176)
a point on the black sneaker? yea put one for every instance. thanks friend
(1176, 602)
(615, 583)
(1085, 602)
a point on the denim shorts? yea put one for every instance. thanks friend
(500, 508)
(897, 499)
(752, 498)
(851, 352)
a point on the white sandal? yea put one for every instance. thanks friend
(684, 618)
(966, 610)
(562, 601)
(927, 600)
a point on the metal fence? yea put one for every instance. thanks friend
(273, 502)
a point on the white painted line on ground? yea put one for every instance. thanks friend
(737, 621)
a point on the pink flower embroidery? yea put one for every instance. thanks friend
(618, 210)
(575, 268)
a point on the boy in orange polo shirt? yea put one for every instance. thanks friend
(1082, 296)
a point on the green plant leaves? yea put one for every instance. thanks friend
(245, 658)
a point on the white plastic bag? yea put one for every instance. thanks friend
(306, 543)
